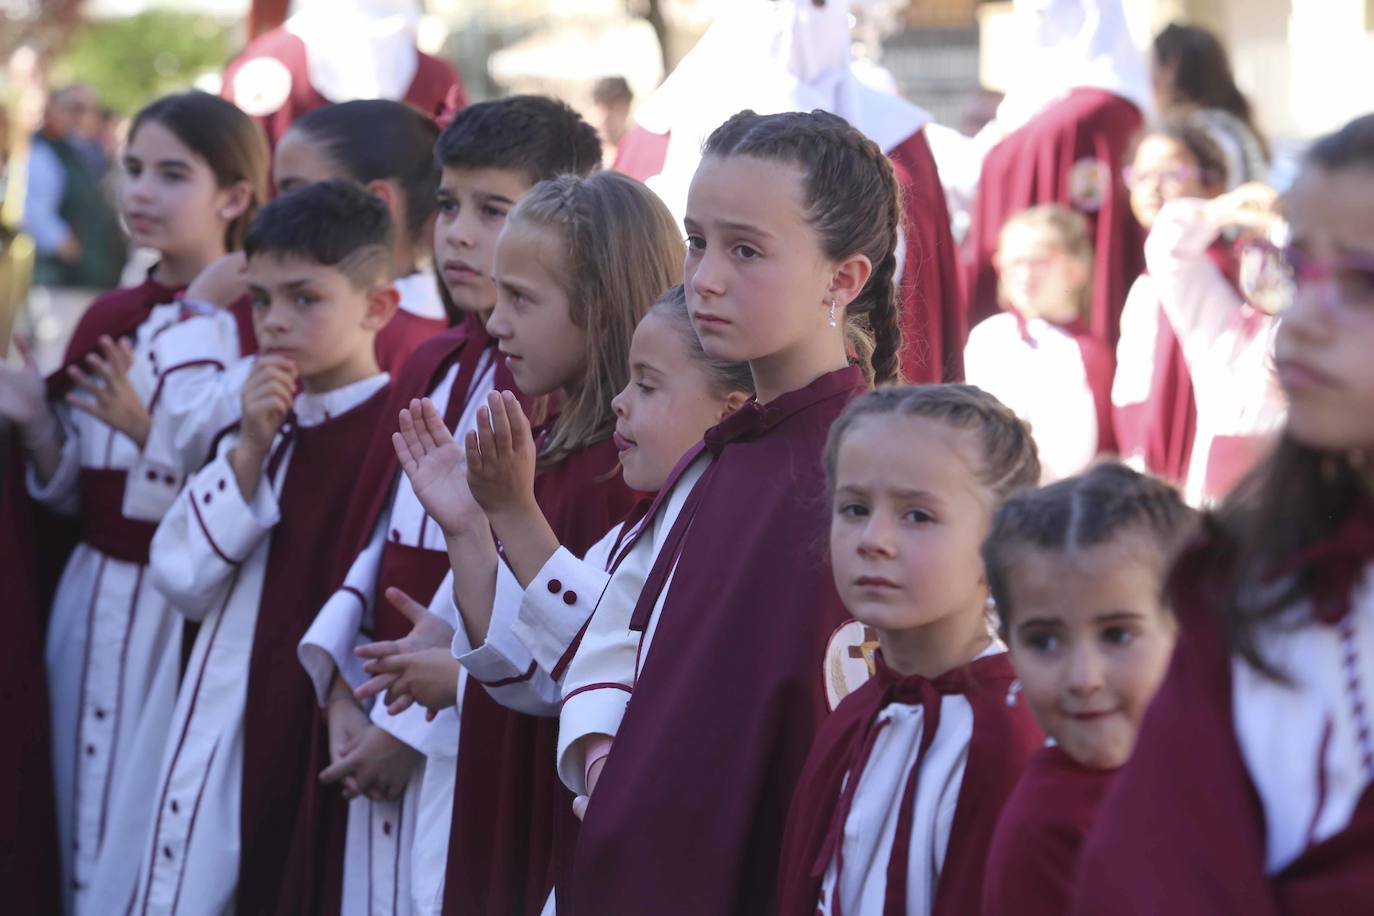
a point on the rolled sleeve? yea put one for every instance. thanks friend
(596, 709)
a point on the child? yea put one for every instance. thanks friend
(1153, 412)
(896, 806)
(1227, 340)
(674, 394)
(491, 154)
(238, 819)
(792, 224)
(1077, 570)
(1038, 357)
(195, 169)
(387, 147)
(1249, 788)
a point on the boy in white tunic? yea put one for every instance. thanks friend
(240, 821)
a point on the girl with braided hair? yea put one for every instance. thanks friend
(1077, 569)
(896, 806)
(725, 600)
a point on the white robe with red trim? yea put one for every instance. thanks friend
(209, 557)
(111, 653)
(396, 851)
(1228, 347)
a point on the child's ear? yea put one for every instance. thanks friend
(386, 193)
(849, 278)
(733, 402)
(236, 200)
(382, 302)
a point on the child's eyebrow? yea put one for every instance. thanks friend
(745, 228)
(494, 198)
(1117, 616)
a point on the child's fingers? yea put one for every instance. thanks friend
(374, 685)
(411, 609)
(85, 382)
(519, 423)
(473, 453)
(500, 425)
(403, 456)
(405, 423)
(337, 770)
(401, 704)
(25, 347)
(421, 427)
(431, 714)
(580, 806)
(434, 424)
(381, 649)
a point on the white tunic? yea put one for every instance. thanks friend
(871, 826)
(601, 678)
(1141, 321)
(1043, 381)
(111, 653)
(386, 870)
(209, 557)
(1301, 741)
(1227, 345)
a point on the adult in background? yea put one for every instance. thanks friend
(1191, 74)
(1067, 123)
(612, 97)
(338, 51)
(79, 247)
(794, 55)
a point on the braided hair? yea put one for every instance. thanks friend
(1096, 507)
(853, 202)
(1007, 458)
(622, 250)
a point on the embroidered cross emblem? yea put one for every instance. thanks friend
(865, 650)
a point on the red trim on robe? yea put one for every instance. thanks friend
(690, 809)
(1033, 858)
(116, 314)
(432, 84)
(1181, 831)
(1003, 738)
(513, 830)
(1032, 166)
(291, 855)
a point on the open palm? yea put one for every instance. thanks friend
(437, 468)
(23, 397)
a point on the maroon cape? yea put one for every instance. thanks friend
(690, 808)
(28, 829)
(291, 857)
(1034, 854)
(1003, 738)
(1181, 830)
(402, 336)
(1072, 153)
(929, 288)
(513, 830)
(428, 90)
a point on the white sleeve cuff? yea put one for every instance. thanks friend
(596, 710)
(231, 525)
(556, 606)
(327, 647)
(60, 490)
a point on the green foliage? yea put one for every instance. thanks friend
(134, 59)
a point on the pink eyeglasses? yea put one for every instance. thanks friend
(1349, 278)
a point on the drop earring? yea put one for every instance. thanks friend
(833, 321)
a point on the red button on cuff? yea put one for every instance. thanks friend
(555, 586)
(570, 597)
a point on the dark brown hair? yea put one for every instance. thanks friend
(1296, 497)
(852, 200)
(1190, 133)
(1201, 76)
(230, 142)
(1007, 457)
(622, 250)
(725, 377)
(1104, 503)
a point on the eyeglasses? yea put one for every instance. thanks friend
(1349, 279)
(1171, 181)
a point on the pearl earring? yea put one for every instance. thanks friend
(833, 321)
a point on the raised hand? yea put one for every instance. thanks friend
(223, 282)
(112, 397)
(501, 457)
(428, 631)
(23, 397)
(434, 463)
(267, 397)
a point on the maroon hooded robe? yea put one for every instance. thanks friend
(1004, 736)
(1071, 153)
(1034, 854)
(690, 808)
(1181, 831)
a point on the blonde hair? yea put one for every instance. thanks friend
(622, 249)
(1071, 234)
